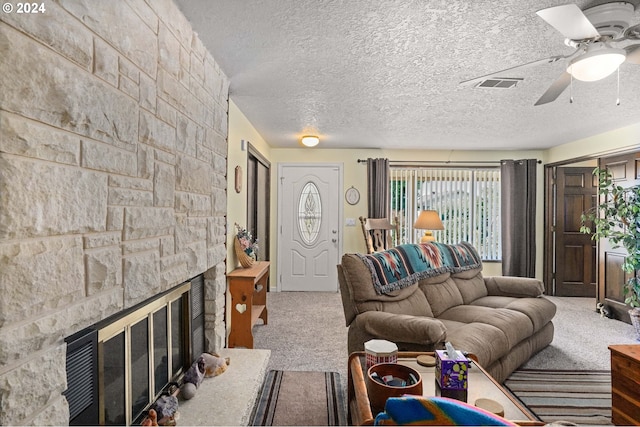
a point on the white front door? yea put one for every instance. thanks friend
(309, 215)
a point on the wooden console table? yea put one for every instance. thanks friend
(625, 384)
(248, 289)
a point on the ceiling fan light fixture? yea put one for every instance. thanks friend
(310, 140)
(596, 63)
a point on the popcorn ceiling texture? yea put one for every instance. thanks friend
(113, 142)
(372, 74)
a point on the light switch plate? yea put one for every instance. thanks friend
(350, 222)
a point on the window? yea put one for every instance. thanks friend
(468, 201)
(309, 213)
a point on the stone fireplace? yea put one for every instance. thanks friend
(113, 142)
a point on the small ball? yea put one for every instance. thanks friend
(188, 390)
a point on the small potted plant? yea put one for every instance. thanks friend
(617, 218)
(246, 247)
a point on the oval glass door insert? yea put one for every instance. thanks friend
(309, 213)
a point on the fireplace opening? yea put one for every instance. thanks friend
(119, 366)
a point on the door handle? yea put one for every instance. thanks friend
(334, 240)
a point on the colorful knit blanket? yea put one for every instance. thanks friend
(436, 411)
(404, 265)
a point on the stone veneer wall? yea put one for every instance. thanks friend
(113, 142)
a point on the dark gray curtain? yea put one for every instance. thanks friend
(378, 189)
(518, 210)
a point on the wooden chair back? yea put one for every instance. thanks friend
(377, 233)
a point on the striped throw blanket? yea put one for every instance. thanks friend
(435, 411)
(404, 265)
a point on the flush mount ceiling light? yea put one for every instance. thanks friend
(596, 63)
(310, 140)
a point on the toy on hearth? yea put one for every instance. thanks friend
(151, 419)
(214, 365)
(192, 379)
(166, 408)
(207, 365)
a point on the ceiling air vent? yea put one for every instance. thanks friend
(499, 83)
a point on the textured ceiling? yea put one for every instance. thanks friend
(386, 73)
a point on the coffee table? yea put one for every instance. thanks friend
(481, 385)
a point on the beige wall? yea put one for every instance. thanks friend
(355, 175)
(623, 139)
(239, 129)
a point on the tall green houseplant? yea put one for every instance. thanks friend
(617, 218)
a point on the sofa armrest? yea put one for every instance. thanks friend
(402, 327)
(511, 286)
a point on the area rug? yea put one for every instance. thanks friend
(300, 398)
(580, 397)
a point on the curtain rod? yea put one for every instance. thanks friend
(442, 162)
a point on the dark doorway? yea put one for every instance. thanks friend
(258, 200)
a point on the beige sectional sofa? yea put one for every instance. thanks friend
(502, 320)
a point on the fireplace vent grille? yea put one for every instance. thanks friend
(197, 316)
(82, 377)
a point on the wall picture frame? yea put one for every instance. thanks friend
(238, 179)
(352, 195)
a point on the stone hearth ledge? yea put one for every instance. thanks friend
(228, 399)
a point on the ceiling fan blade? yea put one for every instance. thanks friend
(633, 54)
(517, 67)
(555, 89)
(569, 20)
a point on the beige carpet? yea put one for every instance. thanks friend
(307, 332)
(581, 338)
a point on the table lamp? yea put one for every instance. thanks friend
(428, 220)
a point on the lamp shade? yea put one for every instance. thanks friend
(428, 220)
(596, 63)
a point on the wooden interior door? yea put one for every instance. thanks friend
(611, 278)
(575, 262)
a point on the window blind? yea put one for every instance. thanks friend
(467, 200)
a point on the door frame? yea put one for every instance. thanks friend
(549, 207)
(340, 166)
(253, 187)
(550, 200)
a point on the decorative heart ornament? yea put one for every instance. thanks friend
(241, 308)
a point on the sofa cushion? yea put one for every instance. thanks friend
(471, 284)
(402, 328)
(539, 310)
(357, 278)
(514, 286)
(515, 325)
(442, 293)
(487, 342)
(414, 304)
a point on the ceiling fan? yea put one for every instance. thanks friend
(603, 39)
